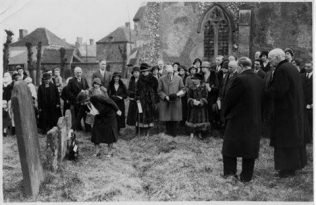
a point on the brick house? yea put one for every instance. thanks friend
(116, 47)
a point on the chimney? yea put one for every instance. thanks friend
(79, 42)
(22, 33)
(127, 25)
(91, 41)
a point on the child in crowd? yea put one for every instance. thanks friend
(197, 107)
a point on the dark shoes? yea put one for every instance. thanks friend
(286, 173)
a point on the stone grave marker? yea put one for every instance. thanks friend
(52, 149)
(27, 138)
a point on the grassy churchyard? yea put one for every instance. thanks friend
(155, 168)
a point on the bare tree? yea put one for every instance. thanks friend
(6, 50)
(38, 63)
(29, 58)
(123, 53)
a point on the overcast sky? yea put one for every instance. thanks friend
(67, 18)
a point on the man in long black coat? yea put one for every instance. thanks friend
(48, 104)
(76, 85)
(287, 134)
(242, 111)
(308, 101)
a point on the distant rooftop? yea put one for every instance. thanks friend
(45, 36)
(121, 34)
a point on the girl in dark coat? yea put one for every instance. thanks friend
(197, 101)
(48, 104)
(118, 92)
(132, 89)
(104, 129)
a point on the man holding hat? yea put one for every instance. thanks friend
(48, 104)
(170, 90)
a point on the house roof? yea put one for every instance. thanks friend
(139, 14)
(53, 56)
(121, 34)
(88, 50)
(17, 56)
(45, 36)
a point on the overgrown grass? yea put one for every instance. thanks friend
(156, 168)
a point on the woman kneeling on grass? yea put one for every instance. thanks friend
(105, 124)
(197, 107)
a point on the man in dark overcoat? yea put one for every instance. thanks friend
(242, 111)
(287, 133)
(76, 85)
(308, 101)
(48, 104)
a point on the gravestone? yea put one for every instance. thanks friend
(52, 149)
(27, 138)
(64, 126)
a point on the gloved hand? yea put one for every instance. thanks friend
(214, 107)
(173, 97)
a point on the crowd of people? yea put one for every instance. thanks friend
(239, 100)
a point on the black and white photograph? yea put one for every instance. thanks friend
(157, 101)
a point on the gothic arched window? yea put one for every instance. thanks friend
(217, 34)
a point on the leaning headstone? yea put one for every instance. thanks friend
(27, 138)
(52, 149)
(64, 126)
(62, 138)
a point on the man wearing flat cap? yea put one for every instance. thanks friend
(48, 104)
(170, 90)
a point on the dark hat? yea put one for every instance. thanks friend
(182, 67)
(135, 69)
(18, 67)
(117, 74)
(46, 76)
(206, 64)
(192, 67)
(197, 60)
(82, 97)
(96, 81)
(197, 76)
(176, 63)
(129, 65)
(154, 68)
(144, 67)
(15, 74)
(289, 50)
(264, 53)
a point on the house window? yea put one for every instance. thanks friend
(217, 34)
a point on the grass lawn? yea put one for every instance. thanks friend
(155, 168)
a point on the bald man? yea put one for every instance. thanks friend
(287, 133)
(242, 111)
(76, 85)
(231, 75)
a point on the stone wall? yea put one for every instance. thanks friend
(283, 25)
(169, 29)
